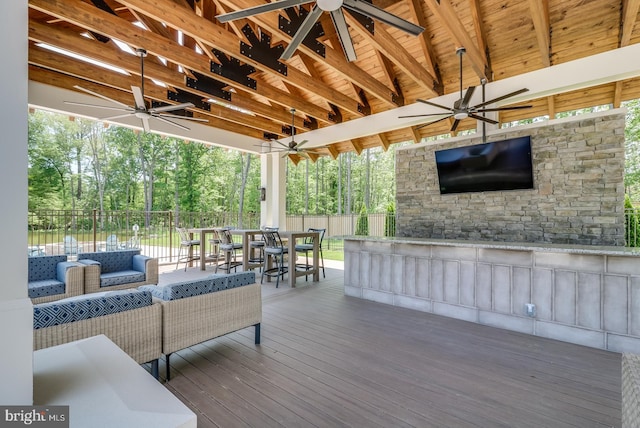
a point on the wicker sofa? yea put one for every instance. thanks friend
(53, 277)
(128, 317)
(117, 270)
(200, 310)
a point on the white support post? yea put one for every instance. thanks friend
(16, 310)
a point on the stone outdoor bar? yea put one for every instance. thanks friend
(548, 261)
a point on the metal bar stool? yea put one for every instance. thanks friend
(274, 250)
(307, 246)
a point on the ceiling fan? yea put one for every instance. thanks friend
(140, 109)
(461, 109)
(334, 7)
(293, 147)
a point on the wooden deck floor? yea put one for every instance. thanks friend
(327, 360)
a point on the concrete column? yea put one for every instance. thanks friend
(16, 312)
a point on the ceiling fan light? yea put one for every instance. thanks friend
(461, 115)
(329, 5)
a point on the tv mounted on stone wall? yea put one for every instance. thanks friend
(499, 165)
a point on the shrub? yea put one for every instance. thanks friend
(631, 224)
(362, 225)
(390, 221)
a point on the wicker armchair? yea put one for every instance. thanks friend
(200, 310)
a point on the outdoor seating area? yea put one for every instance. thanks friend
(152, 320)
(53, 277)
(116, 270)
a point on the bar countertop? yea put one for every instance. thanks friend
(518, 246)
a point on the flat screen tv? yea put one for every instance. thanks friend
(500, 165)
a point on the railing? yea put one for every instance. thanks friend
(154, 232)
(72, 231)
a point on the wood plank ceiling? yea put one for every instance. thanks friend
(236, 64)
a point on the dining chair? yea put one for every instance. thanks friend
(191, 246)
(275, 250)
(228, 248)
(307, 246)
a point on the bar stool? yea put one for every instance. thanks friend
(274, 249)
(307, 246)
(228, 248)
(257, 245)
(192, 246)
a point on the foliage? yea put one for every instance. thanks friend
(81, 165)
(632, 233)
(390, 221)
(362, 224)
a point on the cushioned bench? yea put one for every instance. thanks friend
(53, 277)
(117, 270)
(128, 317)
(200, 310)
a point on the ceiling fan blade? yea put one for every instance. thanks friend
(423, 115)
(95, 94)
(435, 121)
(300, 144)
(175, 116)
(501, 109)
(504, 97)
(467, 97)
(455, 125)
(73, 103)
(145, 124)
(343, 34)
(302, 32)
(138, 97)
(282, 144)
(118, 116)
(170, 122)
(484, 119)
(382, 15)
(171, 107)
(256, 10)
(434, 104)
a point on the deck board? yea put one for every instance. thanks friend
(328, 360)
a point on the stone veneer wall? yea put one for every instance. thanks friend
(578, 195)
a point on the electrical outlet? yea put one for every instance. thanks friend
(530, 309)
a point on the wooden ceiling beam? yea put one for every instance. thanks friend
(215, 35)
(481, 34)
(540, 16)
(333, 58)
(384, 141)
(551, 106)
(89, 48)
(415, 134)
(425, 41)
(382, 41)
(48, 77)
(333, 151)
(99, 76)
(94, 19)
(73, 42)
(628, 18)
(387, 68)
(617, 94)
(356, 146)
(445, 13)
